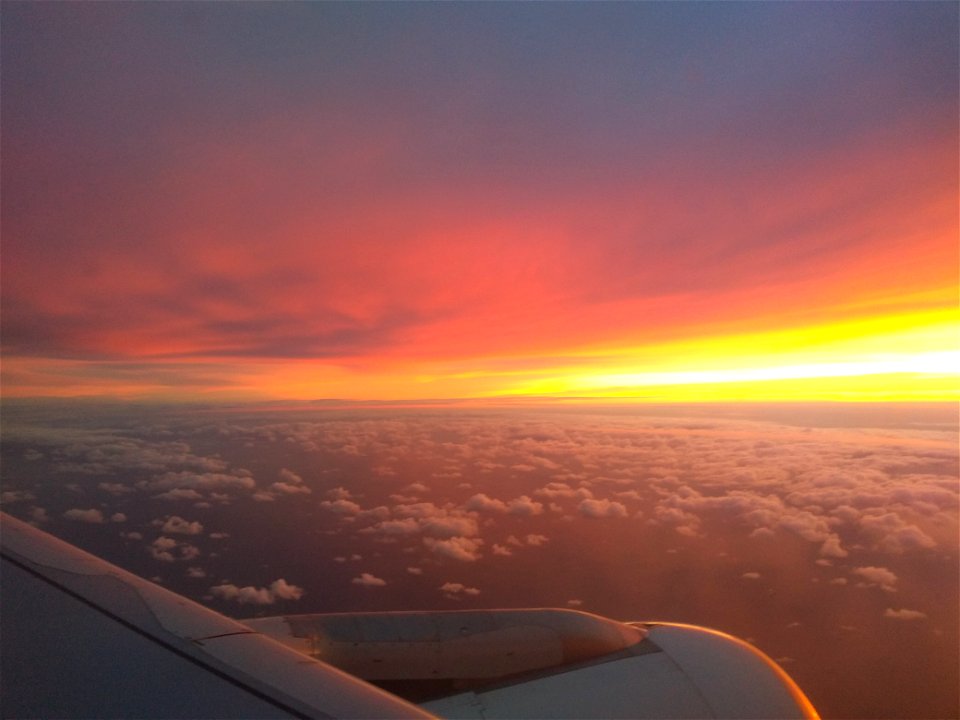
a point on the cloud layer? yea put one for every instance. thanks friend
(760, 521)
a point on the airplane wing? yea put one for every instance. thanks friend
(83, 638)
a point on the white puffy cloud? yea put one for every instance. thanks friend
(290, 484)
(456, 548)
(450, 526)
(398, 498)
(454, 591)
(249, 595)
(891, 533)
(201, 481)
(289, 489)
(161, 549)
(178, 526)
(685, 523)
(283, 590)
(368, 580)
(339, 493)
(404, 526)
(523, 505)
(832, 548)
(419, 510)
(380, 512)
(879, 576)
(342, 507)
(12, 496)
(602, 508)
(93, 515)
(166, 549)
(289, 476)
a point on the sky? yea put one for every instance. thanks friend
(664, 201)
(826, 535)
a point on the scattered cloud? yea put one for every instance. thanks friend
(249, 595)
(92, 515)
(522, 505)
(290, 484)
(339, 493)
(404, 526)
(12, 496)
(166, 549)
(200, 481)
(161, 549)
(178, 526)
(283, 590)
(891, 533)
(368, 580)
(342, 506)
(456, 591)
(563, 490)
(603, 508)
(878, 576)
(456, 548)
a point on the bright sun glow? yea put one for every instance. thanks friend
(906, 357)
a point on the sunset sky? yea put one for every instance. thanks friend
(675, 201)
